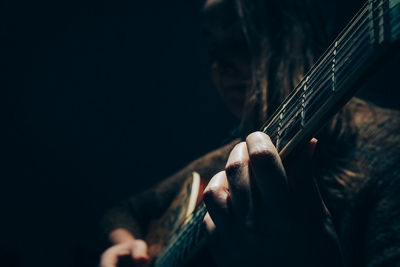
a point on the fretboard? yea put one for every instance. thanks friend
(363, 45)
(336, 76)
(186, 242)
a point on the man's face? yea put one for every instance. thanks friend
(230, 60)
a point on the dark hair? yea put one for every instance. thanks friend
(285, 38)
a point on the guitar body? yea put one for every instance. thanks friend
(164, 230)
(368, 42)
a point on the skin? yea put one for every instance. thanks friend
(230, 72)
(230, 60)
(259, 208)
(125, 246)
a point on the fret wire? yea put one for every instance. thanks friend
(292, 112)
(351, 50)
(292, 122)
(342, 40)
(310, 92)
(363, 11)
(344, 34)
(359, 63)
(338, 49)
(311, 72)
(344, 67)
(368, 27)
(325, 70)
(358, 47)
(319, 92)
(321, 79)
(344, 47)
(338, 65)
(178, 240)
(375, 19)
(327, 73)
(309, 105)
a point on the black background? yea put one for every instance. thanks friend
(101, 99)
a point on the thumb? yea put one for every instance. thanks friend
(140, 252)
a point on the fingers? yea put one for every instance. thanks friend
(255, 180)
(139, 252)
(228, 193)
(137, 249)
(111, 255)
(216, 196)
(269, 174)
(209, 224)
(237, 172)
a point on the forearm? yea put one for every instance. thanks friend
(135, 214)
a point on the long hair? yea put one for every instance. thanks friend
(285, 38)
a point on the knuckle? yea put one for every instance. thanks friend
(107, 254)
(238, 159)
(258, 136)
(205, 222)
(216, 190)
(261, 147)
(211, 192)
(234, 167)
(264, 154)
(215, 195)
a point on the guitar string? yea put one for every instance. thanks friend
(190, 227)
(359, 50)
(349, 30)
(311, 94)
(316, 81)
(167, 257)
(200, 212)
(319, 61)
(376, 18)
(289, 115)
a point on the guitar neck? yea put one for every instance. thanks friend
(184, 245)
(360, 49)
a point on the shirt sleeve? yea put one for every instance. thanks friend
(382, 231)
(135, 213)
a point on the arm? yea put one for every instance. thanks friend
(267, 212)
(128, 221)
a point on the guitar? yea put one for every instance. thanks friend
(367, 42)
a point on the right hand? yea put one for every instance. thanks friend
(135, 250)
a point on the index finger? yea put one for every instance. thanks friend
(268, 172)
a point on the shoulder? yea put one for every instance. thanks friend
(359, 155)
(377, 204)
(370, 212)
(378, 135)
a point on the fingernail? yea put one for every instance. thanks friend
(238, 153)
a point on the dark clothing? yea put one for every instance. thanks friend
(358, 172)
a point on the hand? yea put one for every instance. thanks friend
(261, 213)
(135, 251)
